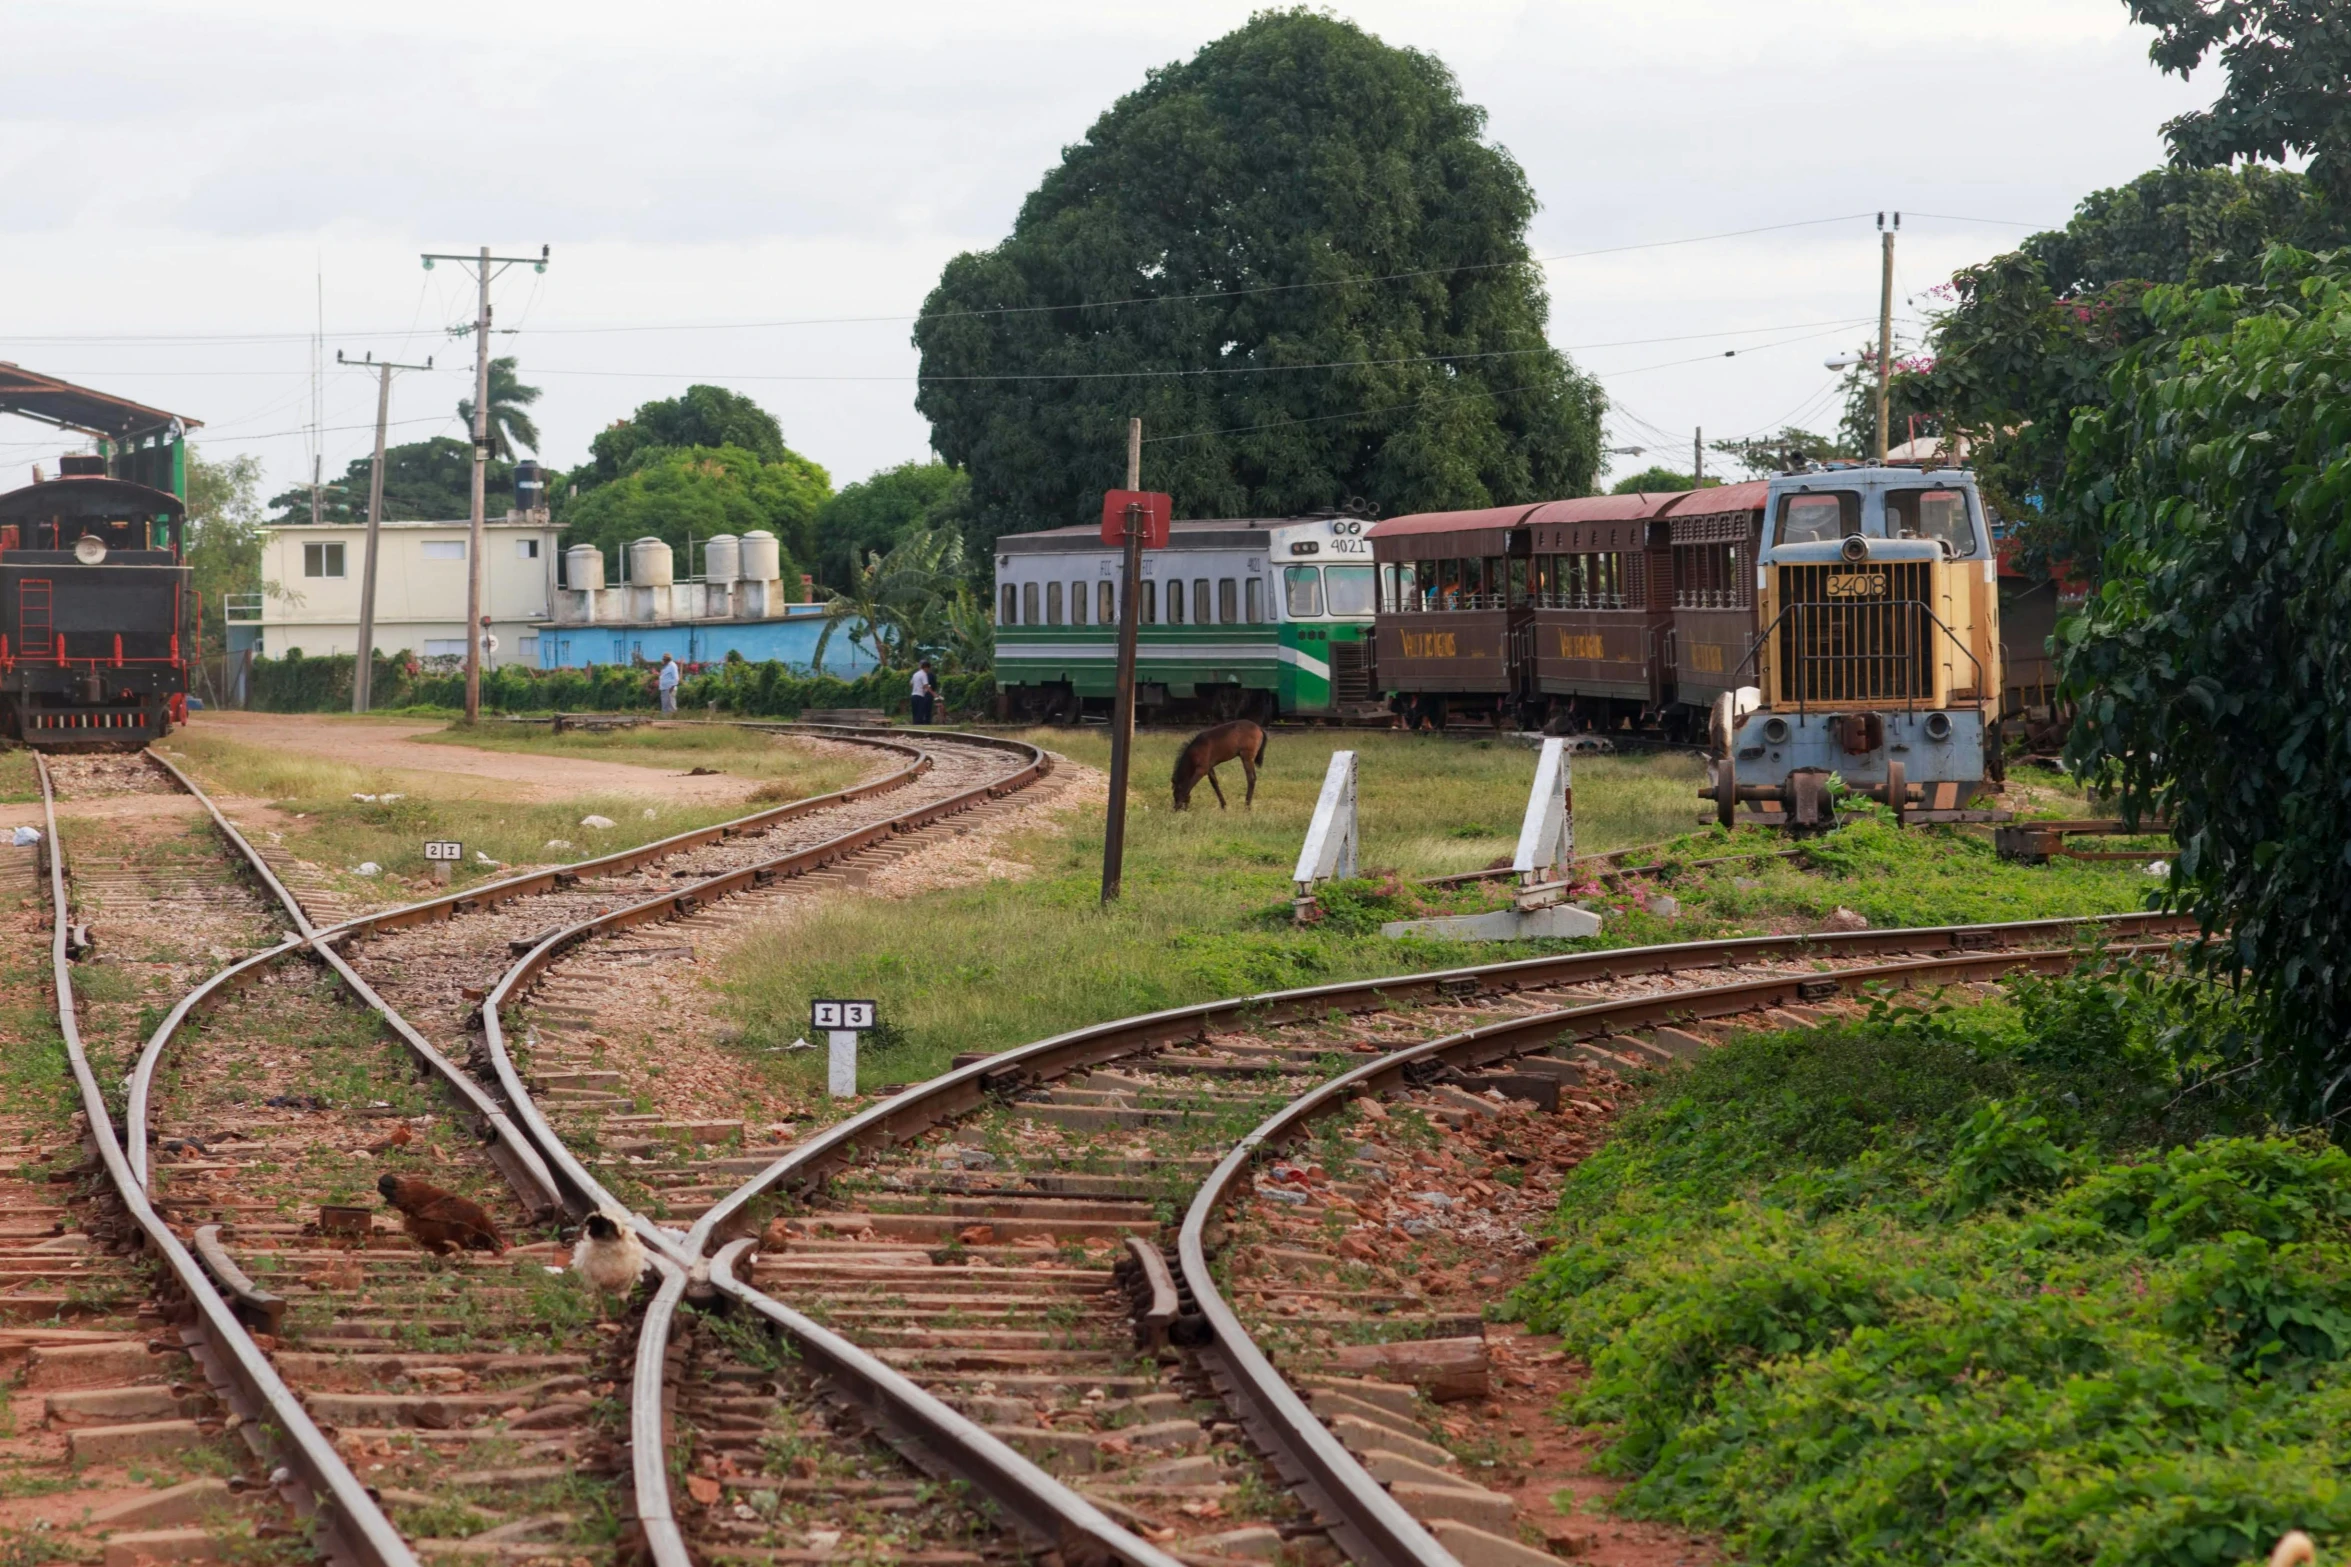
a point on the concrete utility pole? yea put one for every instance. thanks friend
(1885, 321)
(486, 267)
(363, 668)
(1697, 457)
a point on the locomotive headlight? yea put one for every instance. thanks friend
(89, 549)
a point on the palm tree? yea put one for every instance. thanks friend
(510, 426)
(900, 599)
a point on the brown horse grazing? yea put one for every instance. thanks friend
(1212, 748)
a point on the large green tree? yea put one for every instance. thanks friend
(877, 513)
(703, 416)
(686, 495)
(2029, 337)
(424, 481)
(2288, 88)
(2213, 666)
(1298, 260)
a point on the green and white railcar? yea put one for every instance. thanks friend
(1254, 617)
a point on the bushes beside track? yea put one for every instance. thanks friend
(1989, 1285)
(298, 684)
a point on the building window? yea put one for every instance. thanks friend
(444, 549)
(1255, 595)
(526, 549)
(1011, 606)
(1228, 601)
(1052, 603)
(1077, 603)
(1105, 603)
(444, 647)
(322, 560)
(1028, 603)
(528, 649)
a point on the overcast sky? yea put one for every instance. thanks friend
(177, 180)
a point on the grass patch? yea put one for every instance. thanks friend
(324, 824)
(1205, 911)
(722, 748)
(1980, 1284)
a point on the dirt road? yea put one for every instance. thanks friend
(391, 743)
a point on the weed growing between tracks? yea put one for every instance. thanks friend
(1980, 1284)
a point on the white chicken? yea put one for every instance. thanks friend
(609, 1255)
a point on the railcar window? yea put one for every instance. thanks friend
(1228, 601)
(1150, 603)
(1350, 589)
(1105, 603)
(1932, 514)
(1254, 593)
(1009, 614)
(1052, 603)
(1175, 601)
(1028, 603)
(1077, 603)
(1302, 592)
(322, 560)
(1819, 517)
(1200, 609)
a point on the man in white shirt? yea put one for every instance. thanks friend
(669, 683)
(924, 692)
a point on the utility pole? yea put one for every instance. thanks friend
(1885, 321)
(1122, 712)
(363, 668)
(1697, 457)
(485, 267)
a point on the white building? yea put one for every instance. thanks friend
(311, 577)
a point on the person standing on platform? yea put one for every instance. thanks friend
(924, 692)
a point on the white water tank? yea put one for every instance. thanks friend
(650, 564)
(583, 568)
(721, 558)
(763, 560)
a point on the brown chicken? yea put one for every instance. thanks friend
(439, 1220)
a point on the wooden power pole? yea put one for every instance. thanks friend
(1885, 320)
(486, 267)
(1122, 708)
(363, 667)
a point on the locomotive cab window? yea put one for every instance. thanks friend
(322, 560)
(1821, 517)
(1302, 592)
(1932, 514)
(1350, 589)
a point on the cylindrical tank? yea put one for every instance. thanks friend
(721, 558)
(583, 568)
(763, 559)
(650, 564)
(530, 486)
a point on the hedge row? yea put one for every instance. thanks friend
(296, 684)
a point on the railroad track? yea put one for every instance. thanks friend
(1001, 1309)
(478, 1395)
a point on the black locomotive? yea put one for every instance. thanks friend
(95, 634)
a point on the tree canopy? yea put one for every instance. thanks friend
(2213, 665)
(1295, 257)
(2288, 89)
(224, 536)
(708, 416)
(879, 512)
(1652, 480)
(686, 495)
(424, 481)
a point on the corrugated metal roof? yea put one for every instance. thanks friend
(1745, 496)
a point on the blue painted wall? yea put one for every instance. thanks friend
(790, 641)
